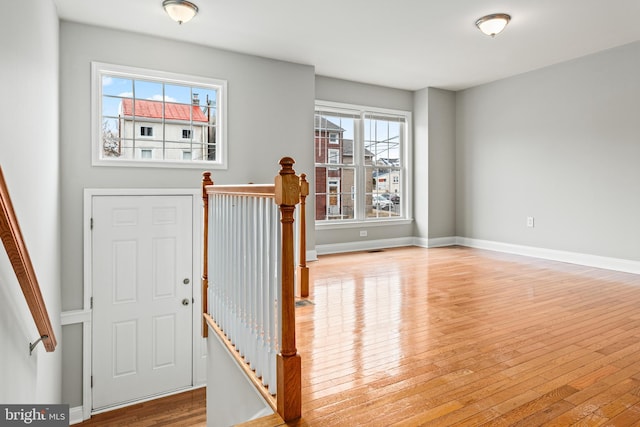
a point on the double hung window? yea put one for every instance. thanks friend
(361, 164)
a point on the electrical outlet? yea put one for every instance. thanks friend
(363, 233)
(530, 222)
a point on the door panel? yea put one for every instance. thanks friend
(142, 309)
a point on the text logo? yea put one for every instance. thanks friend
(34, 415)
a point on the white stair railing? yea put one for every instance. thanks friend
(248, 281)
(245, 270)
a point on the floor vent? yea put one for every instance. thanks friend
(303, 302)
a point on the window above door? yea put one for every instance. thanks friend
(137, 111)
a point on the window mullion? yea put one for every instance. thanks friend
(360, 172)
(133, 116)
(164, 121)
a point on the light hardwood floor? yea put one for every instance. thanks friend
(459, 336)
(184, 409)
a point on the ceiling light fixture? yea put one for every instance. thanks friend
(180, 10)
(493, 24)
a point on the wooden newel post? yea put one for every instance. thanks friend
(206, 180)
(303, 271)
(288, 367)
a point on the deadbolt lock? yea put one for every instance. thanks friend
(186, 281)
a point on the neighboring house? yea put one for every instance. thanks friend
(328, 150)
(335, 185)
(388, 183)
(183, 134)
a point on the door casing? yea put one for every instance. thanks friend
(199, 344)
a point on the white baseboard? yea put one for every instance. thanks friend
(596, 261)
(616, 264)
(434, 242)
(76, 415)
(365, 245)
(312, 255)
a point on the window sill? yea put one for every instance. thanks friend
(160, 164)
(360, 224)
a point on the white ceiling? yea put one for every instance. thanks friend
(408, 44)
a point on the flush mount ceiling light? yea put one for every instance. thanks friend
(493, 24)
(180, 10)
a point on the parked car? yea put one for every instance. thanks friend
(394, 198)
(381, 202)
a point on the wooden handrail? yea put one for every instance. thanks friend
(256, 190)
(21, 262)
(206, 181)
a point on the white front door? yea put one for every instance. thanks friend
(142, 297)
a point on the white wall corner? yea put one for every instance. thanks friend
(422, 242)
(437, 242)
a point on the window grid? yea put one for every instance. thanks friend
(162, 106)
(368, 178)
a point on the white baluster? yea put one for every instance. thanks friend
(244, 278)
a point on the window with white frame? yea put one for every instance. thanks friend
(137, 111)
(366, 150)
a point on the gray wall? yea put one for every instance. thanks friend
(270, 115)
(442, 170)
(336, 90)
(560, 144)
(434, 163)
(421, 157)
(29, 160)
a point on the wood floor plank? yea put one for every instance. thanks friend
(513, 314)
(184, 409)
(459, 337)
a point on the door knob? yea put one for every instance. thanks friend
(185, 301)
(186, 281)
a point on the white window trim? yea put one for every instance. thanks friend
(100, 68)
(406, 175)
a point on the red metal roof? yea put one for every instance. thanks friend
(172, 111)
